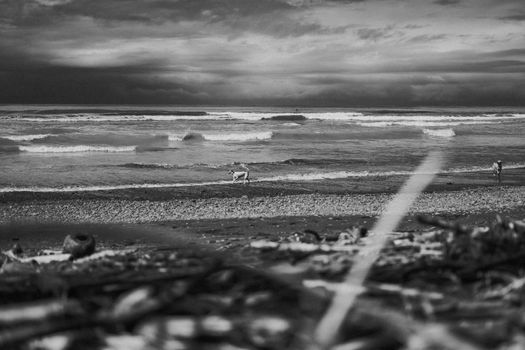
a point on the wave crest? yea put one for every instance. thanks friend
(439, 132)
(236, 136)
(75, 149)
(26, 137)
(148, 166)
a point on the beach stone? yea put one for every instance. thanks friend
(78, 245)
(17, 249)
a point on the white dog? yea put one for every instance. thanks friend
(244, 175)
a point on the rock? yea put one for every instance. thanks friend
(78, 245)
(17, 249)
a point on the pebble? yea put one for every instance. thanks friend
(128, 211)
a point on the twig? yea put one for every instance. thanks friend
(302, 247)
(329, 326)
(103, 319)
(414, 334)
(383, 288)
(518, 283)
(37, 311)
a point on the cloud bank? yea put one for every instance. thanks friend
(263, 52)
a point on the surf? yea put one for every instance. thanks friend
(237, 136)
(26, 137)
(446, 133)
(75, 149)
(298, 177)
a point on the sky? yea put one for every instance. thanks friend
(338, 53)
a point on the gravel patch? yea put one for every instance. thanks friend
(144, 211)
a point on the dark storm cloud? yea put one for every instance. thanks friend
(269, 17)
(43, 83)
(505, 53)
(143, 11)
(287, 52)
(518, 17)
(413, 91)
(499, 66)
(427, 38)
(375, 33)
(447, 2)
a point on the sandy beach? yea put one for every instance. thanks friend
(215, 213)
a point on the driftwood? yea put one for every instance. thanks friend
(157, 298)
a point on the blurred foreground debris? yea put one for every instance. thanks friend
(450, 287)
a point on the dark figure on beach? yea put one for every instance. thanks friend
(496, 169)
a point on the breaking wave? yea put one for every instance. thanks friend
(440, 132)
(148, 166)
(168, 166)
(255, 165)
(239, 136)
(369, 118)
(475, 169)
(75, 149)
(111, 139)
(423, 123)
(26, 137)
(265, 135)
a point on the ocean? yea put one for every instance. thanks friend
(82, 148)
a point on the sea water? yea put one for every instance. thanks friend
(80, 148)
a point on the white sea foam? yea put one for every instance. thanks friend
(433, 118)
(95, 118)
(25, 137)
(242, 136)
(75, 149)
(107, 187)
(255, 116)
(288, 177)
(174, 137)
(333, 175)
(440, 132)
(236, 136)
(478, 168)
(250, 116)
(423, 123)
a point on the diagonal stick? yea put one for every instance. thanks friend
(328, 328)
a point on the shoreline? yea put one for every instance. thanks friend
(345, 186)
